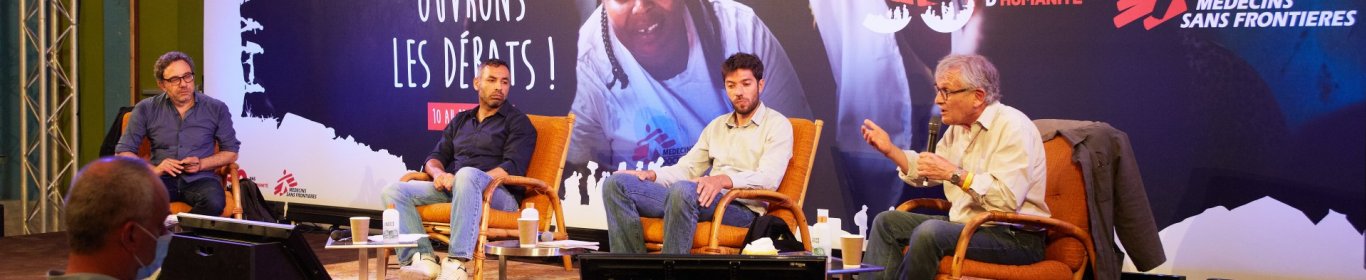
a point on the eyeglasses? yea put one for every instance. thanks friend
(944, 92)
(188, 77)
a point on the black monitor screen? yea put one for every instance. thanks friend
(711, 267)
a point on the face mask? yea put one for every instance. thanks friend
(163, 242)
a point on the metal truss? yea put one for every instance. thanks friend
(48, 108)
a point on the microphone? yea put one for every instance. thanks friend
(338, 235)
(935, 124)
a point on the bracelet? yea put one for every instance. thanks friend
(967, 182)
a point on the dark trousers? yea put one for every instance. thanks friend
(205, 196)
(932, 237)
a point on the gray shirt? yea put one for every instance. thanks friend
(62, 275)
(205, 123)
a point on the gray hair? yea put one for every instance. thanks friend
(165, 61)
(105, 194)
(974, 70)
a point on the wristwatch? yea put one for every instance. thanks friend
(957, 177)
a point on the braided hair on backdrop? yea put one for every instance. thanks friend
(618, 74)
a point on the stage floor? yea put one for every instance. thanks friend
(31, 256)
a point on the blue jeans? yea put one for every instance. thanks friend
(205, 196)
(466, 199)
(933, 237)
(628, 199)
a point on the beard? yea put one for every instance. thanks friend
(493, 104)
(745, 110)
(490, 102)
(180, 95)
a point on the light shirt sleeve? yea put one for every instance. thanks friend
(136, 130)
(910, 176)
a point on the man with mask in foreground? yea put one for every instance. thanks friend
(115, 210)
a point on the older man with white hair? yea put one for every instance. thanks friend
(991, 159)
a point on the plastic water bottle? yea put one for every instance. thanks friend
(819, 245)
(390, 224)
(833, 230)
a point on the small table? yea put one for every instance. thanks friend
(365, 254)
(505, 248)
(837, 268)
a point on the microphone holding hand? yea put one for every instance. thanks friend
(936, 124)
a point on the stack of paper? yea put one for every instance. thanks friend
(569, 244)
(402, 238)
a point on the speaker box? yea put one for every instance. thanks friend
(194, 257)
(221, 248)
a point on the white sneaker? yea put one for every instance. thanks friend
(421, 268)
(453, 269)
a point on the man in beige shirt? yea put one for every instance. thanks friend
(991, 159)
(745, 149)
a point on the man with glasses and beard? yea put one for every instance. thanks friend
(745, 149)
(183, 124)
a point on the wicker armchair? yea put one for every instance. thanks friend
(786, 203)
(1068, 247)
(542, 182)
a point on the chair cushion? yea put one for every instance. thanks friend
(733, 237)
(181, 207)
(441, 213)
(1065, 250)
(1047, 269)
(437, 213)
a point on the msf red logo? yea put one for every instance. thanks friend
(1132, 10)
(283, 185)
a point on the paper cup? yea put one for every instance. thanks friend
(360, 229)
(526, 232)
(852, 245)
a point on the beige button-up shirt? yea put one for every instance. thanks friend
(1005, 152)
(753, 154)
